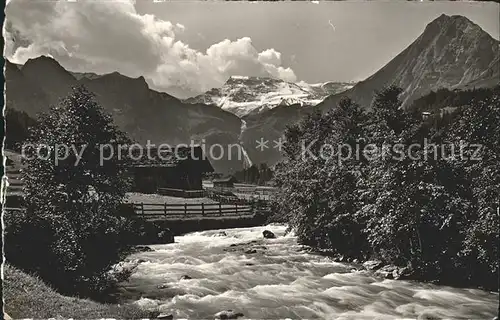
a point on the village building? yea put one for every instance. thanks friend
(181, 169)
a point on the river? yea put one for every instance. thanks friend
(278, 280)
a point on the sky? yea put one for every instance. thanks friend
(188, 47)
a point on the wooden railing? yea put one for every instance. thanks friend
(168, 211)
(189, 210)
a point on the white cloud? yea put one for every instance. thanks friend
(270, 56)
(106, 36)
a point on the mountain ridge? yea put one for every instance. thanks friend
(244, 96)
(452, 52)
(473, 61)
(426, 58)
(143, 113)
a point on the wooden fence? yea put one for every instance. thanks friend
(188, 210)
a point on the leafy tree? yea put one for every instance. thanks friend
(72, 204)
(386, 106)
(477, 123)
(322, 212)
(78, 124)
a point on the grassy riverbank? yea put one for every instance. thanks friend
(26, 296)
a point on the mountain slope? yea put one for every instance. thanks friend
(252, 95)
(22, 93)
(270, 127)
(143, 113)
(452, 52)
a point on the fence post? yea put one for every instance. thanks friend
(165, 209)
(202, 209)
(236, 206)
(220, 209)
(142, 208)
(185, 209)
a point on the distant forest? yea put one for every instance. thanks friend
(255, 174)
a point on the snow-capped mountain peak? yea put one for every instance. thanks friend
(243, 95)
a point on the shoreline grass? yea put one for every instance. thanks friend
(26, 296)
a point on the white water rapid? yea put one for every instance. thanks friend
(278, 280)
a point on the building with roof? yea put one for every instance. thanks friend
(180, 168)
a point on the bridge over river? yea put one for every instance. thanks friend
(187, 217)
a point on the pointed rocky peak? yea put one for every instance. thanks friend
(452, 27)
(446, 20)
(456, 40)
(452, 52)
(42, 62)
(44, 68)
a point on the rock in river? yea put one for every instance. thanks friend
(373, 264)
(165, 236)
(228, 314)
(386, 272)
(268, 234)
(162, 286)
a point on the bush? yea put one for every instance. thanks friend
(73, 262)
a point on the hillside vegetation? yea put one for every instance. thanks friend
(431, 209)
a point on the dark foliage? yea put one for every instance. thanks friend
(431, 208)
(71, 232)
(17, 125)
(439, 100)
(255, 174)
